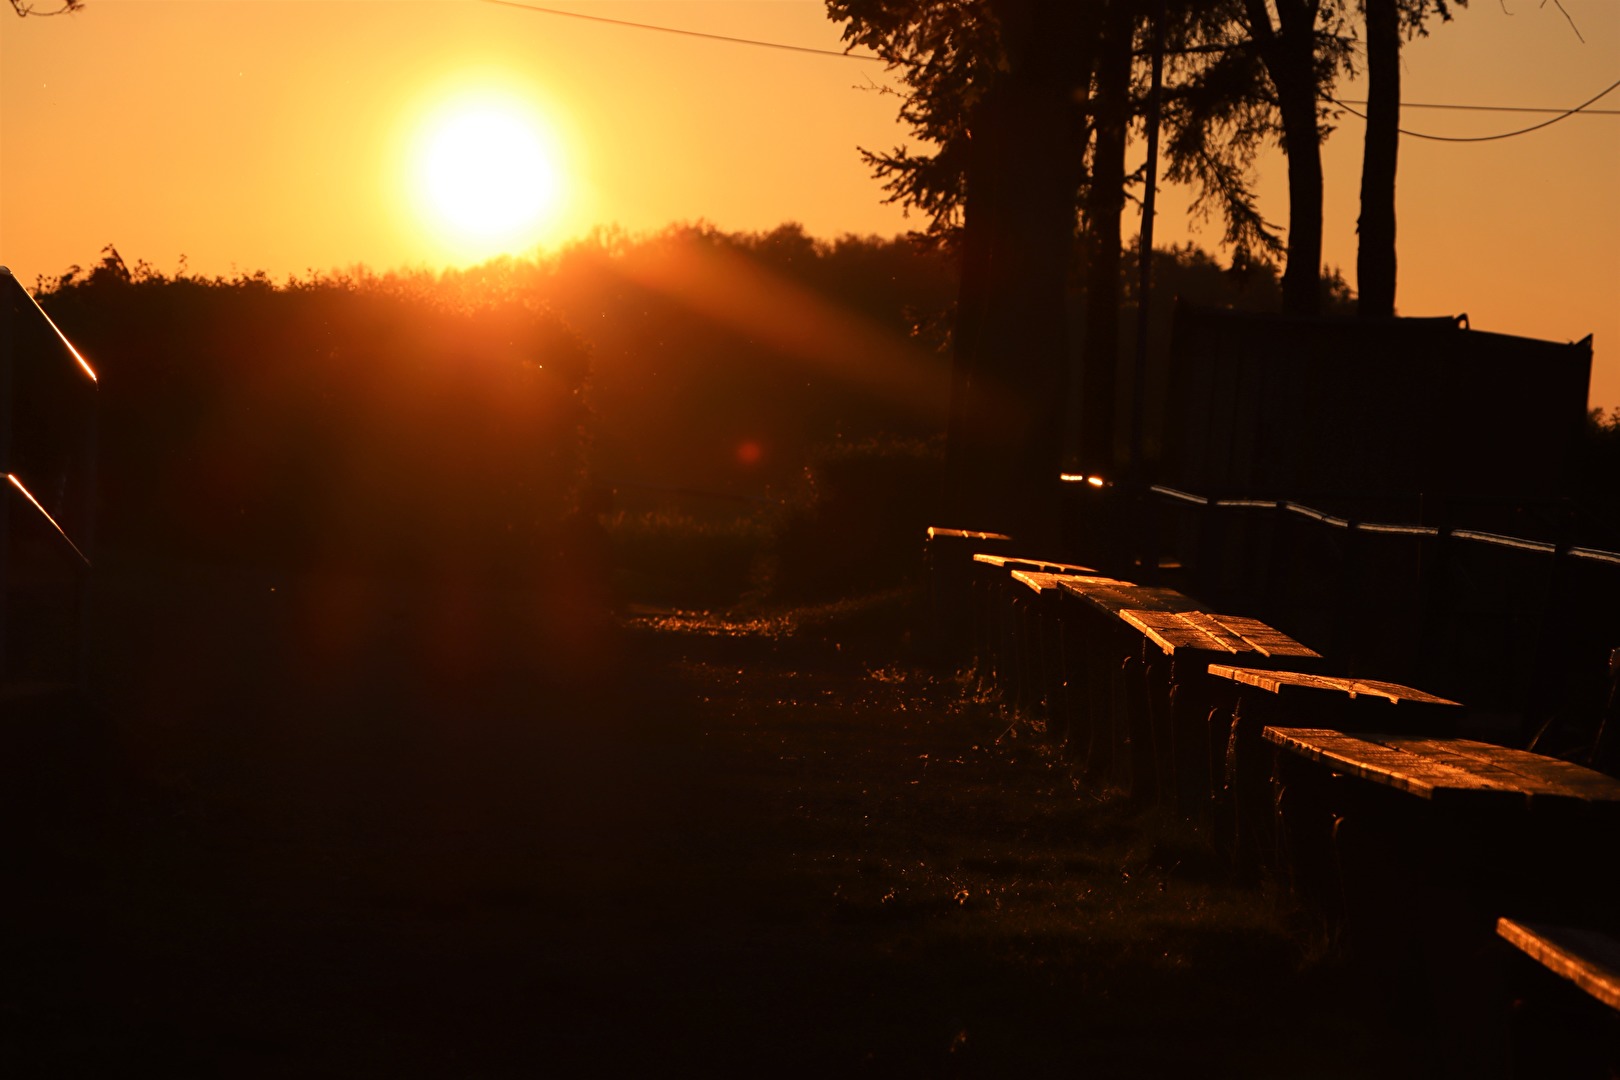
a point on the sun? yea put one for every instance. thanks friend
(486, 175)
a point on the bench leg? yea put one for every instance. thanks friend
(1249, 806)
(1307, 837)
(1189, 709)
(1141, 752)
(1104, 705)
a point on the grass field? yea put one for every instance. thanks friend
(356, 828)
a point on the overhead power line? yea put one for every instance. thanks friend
(1501, 135)
(1488, 108)
(1345, 103)
(687, 33)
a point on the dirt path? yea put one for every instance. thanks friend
(728, 855)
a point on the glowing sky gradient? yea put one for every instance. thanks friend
(278, 135)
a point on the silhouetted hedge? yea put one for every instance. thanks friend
(349, 420)
(723, 360)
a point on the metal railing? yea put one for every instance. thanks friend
(1516, 625)
(47, 460)
(1390, 528)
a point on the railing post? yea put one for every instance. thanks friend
(55, 481)
(8, 354)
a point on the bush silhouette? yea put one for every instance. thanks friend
(350, 421)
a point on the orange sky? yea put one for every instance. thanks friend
(279, 135)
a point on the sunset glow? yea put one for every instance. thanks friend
(292, 141)
(576, 536)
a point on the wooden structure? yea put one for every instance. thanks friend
(1565, 985)
(1587, 959)
(1107, 730)
(1034, 635)
(1181, 699)
(1262, 404)
(1519, 626)
(1014, 643)
(1244, 804)
(1435, 554)
(1132, 659)
(1518, 831)
(1415, 846)
(948, 562)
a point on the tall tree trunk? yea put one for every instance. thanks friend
(980, 212)
(1302, 137)
(1105, 204)
(1289, 52)
(1010, 387)
(1302, 276)
(1375, 254)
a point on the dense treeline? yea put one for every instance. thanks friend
(342, 420)
(722, 360)
(410, 418)
(1597, 479)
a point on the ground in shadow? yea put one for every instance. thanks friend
(731, 849)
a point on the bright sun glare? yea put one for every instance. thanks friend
(486, 175)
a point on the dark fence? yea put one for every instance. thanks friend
(1428, 536)
(47, 508)
(1519, 628)
(1365, 416)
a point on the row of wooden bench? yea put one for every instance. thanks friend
(1406, 837)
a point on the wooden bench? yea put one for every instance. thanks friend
(1132, 661)
(1458, 771)
(1485, 798)
(1244, 817)
(948, 561)
(1042, 566)
(1586, 958)
(1034, 604)
(1182, 697)
(1565, 989)
(1406, 830)
(1412, 846)
(1000, 615)
(1107, 727)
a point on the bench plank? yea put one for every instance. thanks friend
(1112, 596)
(1179, 631)
(1266, 640)
(1284, 682)
(937, 533)
(1217, 627)
(1541, 774)
(1448, 752)
(1370, 757)
(1014, 562)
(1588, 959)
(1042, 581)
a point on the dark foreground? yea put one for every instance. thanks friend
(348, 829)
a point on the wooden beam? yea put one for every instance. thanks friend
(1432, 768)
(1011, 562)
(1586, 958)
(1284, 682)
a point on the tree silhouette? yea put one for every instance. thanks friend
(1386, 21)
(996, 85)
(1028, 103)
(1302, 47)
(24, 9)
(1104, 206)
